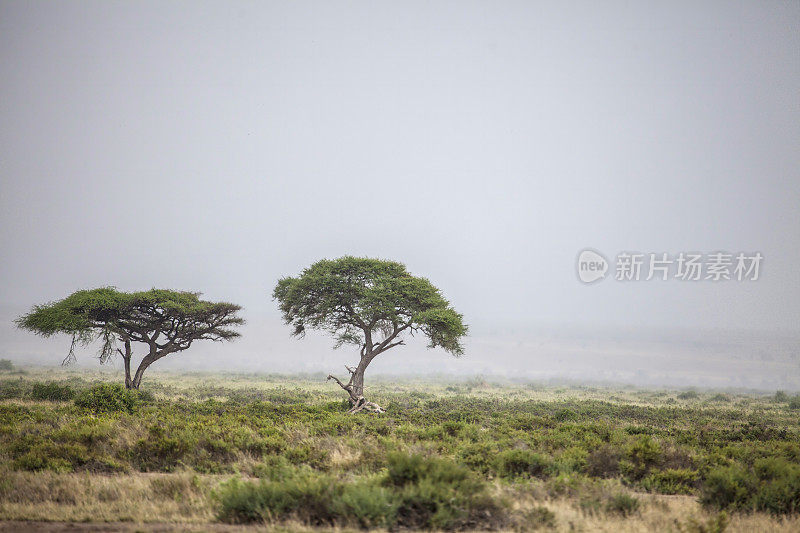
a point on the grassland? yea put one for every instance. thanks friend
(225, 451)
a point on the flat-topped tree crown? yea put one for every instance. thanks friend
(166, 321)
(369, 303)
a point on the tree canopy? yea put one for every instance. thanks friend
(166, 321)
(369, 303)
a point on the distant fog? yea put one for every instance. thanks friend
(217, 146)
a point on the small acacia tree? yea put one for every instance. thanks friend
(370, 303)
(165, 321)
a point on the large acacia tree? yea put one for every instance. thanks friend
(164, 321)
(369, 303)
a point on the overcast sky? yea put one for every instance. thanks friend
(217, 146)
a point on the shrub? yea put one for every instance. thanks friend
(159, 452)
(642, 454)
(6, 365)
(415, 492)
(523, 463)
(366, 506)
(107, 398)
(603, 462)
(688, 395)
(477, 456)
(671, 481)
(772, 485)
(317, 500)
(622, 504)
(274, 468)
(794, 403)
(10, 389)
(727, 487)
(47, 455)
(52, 392)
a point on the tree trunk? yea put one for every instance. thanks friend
(355, 387)
(357, 379)
(148, 360)
(128, 380)
(137, 379)
(126, 358)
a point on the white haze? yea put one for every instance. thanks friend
(217, 146)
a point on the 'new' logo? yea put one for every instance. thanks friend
(591, 266)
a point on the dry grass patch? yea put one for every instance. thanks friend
(180, 498)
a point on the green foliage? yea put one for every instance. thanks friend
(604, 461)
(351, 297)
(771, 484)
(6, 365)
(11, 389)
(159, 452)
(52, 391)
(622, 504)
(45, 455)
(424, 464)
(109, 315)
(108, 398)
(794, 403)
(688, 395)
(671, 481)
(523, 463)
(642, 454)
(416, 492)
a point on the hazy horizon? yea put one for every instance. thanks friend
(221, 147)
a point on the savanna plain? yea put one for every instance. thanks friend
(229, 452)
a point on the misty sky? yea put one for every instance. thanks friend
(217, 146)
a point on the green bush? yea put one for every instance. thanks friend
(107, 398)
(434, 493)
(159, 452)
(316, 500)
(523, 463)
(604, 462)
(47, 455)
(6, 365)
(728, 486)
(671, 481)
(415, 493)
(641, 455)
(10, 390)
(688, 395)
(477, 456)
(794, 403)
(622, 504)
(772, 485)
(52, 392)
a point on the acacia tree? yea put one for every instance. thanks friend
(165, 321)
(369, 303)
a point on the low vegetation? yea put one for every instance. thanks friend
(448, 456)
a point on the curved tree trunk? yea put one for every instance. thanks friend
(355, 387)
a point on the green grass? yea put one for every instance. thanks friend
(445, 455)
